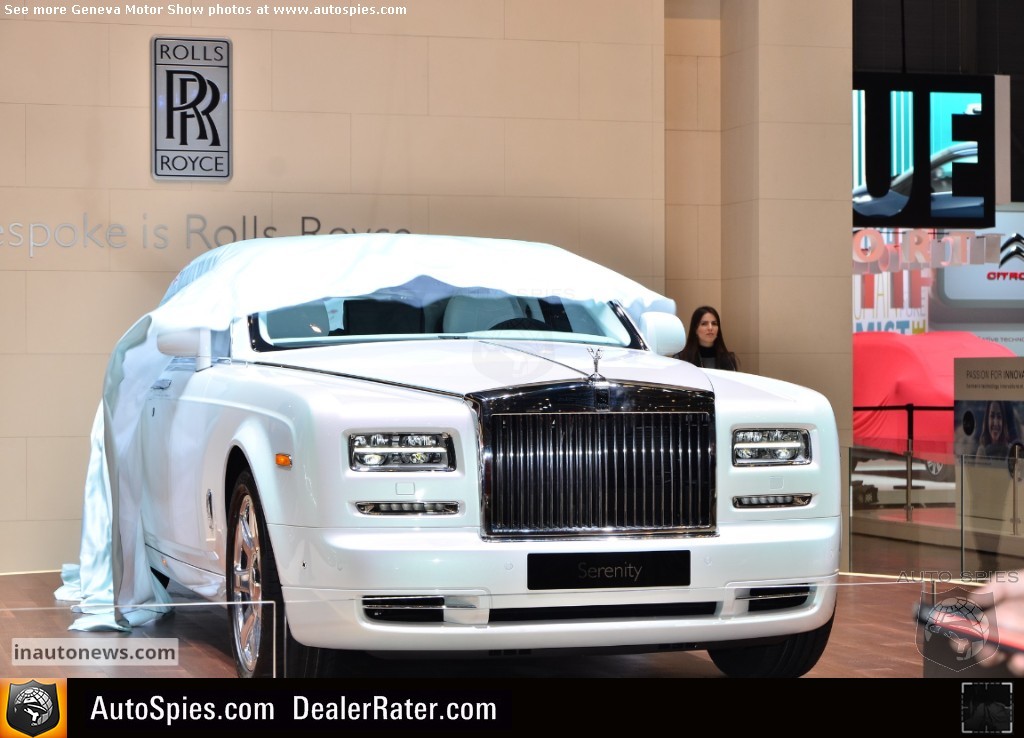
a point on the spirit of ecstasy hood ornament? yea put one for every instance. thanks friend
(595, 354)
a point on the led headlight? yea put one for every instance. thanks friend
(401, 452)
(770, 446)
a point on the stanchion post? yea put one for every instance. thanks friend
(909, 507)
(1016, 500)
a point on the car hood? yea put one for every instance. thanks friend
(465, 366)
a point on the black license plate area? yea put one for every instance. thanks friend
(608, 570)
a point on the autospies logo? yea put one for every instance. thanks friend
(191, 108)
(958, 629)
(33, 708)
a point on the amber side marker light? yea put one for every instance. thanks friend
(284, 460)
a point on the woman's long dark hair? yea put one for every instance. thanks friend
(724, 358)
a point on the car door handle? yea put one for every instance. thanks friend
(161, 384)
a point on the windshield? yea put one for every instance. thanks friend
(440, 311)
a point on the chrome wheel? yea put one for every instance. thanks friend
(256, 611)
(246, 584)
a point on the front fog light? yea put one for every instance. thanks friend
(770, 446)
(401, 452)
(408, 508)
(746, 501)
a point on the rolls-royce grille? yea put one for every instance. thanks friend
(573, 473)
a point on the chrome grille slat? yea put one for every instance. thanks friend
(570, 473)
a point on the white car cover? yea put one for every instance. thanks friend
(112, 582)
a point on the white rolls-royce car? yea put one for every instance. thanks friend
(454, 445)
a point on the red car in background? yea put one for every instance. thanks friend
(895, 370)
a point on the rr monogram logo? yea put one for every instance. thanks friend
(191, 108)
(187, 92)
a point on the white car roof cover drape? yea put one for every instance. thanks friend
(112, 582)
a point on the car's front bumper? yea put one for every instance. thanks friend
(332, 577)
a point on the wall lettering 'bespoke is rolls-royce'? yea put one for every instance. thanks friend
(432, 444)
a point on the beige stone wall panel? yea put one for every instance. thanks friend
(40, 52)
(617, 82)
(618, 233)
(72, 313)
(38, 545)
(12, 145)
(13, 478)
(88, 147)
(578, 159)
(792, 89)
(607, 21)
(740, 76)
(658, 168)
(823, 296)
(805, 237)
(505, 79)
(14, 309)
(740, 307)
(682, 90)
(311, 152)
(741, 239)
(50, 394)
(696, 233)
(349, 73)
(805, 161)
(415, 155)
(695, 174)
(709, 93)
(683, 246)
(693, 27)
(544, 219)
(55, 467)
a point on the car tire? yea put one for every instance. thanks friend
(940, 472)
(791, 658)
(251, 571)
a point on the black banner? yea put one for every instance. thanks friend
(113, 707)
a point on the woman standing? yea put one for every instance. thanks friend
(705, 345)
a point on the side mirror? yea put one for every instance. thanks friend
(664, 332)
(188, 343)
